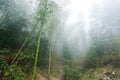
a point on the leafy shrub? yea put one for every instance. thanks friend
(72, 73)
(103, 53)
(10, 72)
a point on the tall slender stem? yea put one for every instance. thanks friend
(37, 52)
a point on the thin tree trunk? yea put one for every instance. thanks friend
(49, 66)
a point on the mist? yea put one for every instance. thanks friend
(75, 23)
(59, 39)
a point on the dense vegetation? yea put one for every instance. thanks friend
(31, 45)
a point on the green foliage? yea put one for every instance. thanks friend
(103, 53)
(12, 25)
(103, 73)
(26, 60)
(54, 73)
(72, 73)
(10, 72)
(44, 53)
(12, 34)
(3, 9)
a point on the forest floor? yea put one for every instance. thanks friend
(103, 73)
(42, 76)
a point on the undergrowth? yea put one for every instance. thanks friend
(10, 72)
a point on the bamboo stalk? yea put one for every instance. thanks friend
(37, 52)
(38, 41)
(27, 38)
(49, 66)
